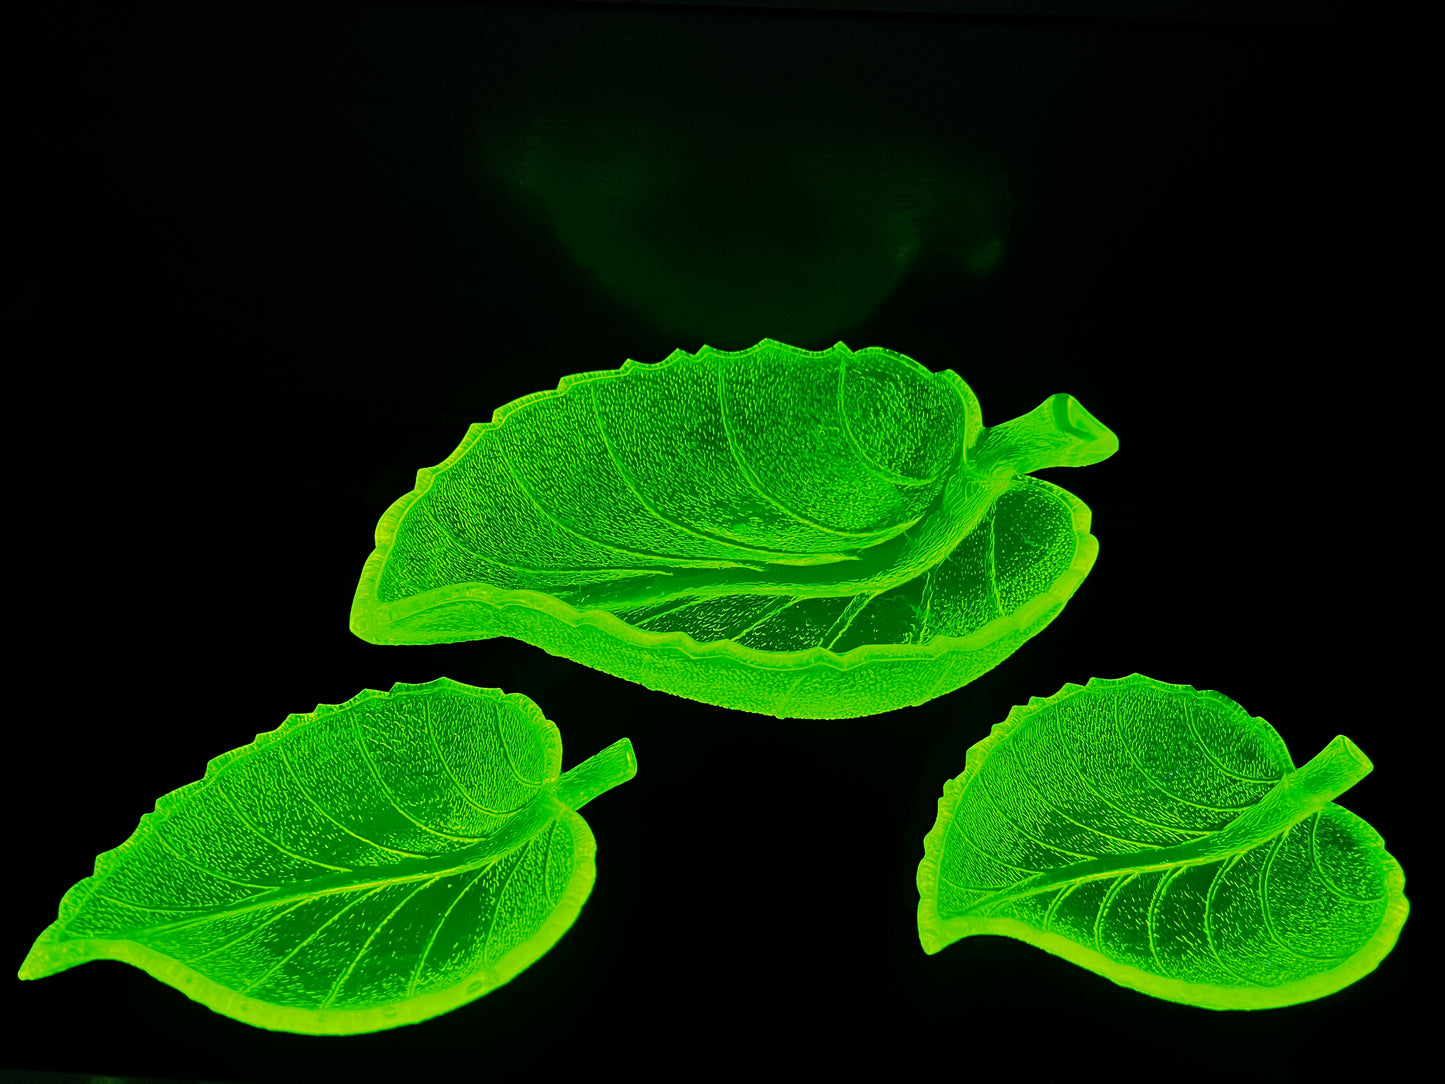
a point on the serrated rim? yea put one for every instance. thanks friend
(151, 822)
(418, 1009)
(933, 937)
(222, 999)
(363, 614)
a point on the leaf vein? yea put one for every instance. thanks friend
(988, 793)
(686, 604)
(547, 861)
(1209, 753)
(856, 605)
(365, 945)
(1044, 799)
(1152, 913)
(840, 403)
(521, 856)
(764, 553)
(957, 833)
(306, 793)
(505, 455)
(1104, 904)
(207, 912)
(990, 563)
(467, 545)
(1264, 906)
(783, 603)
(436, 748)
(1320, 870)
(755, 483)
(437, 929)
(160, 838)
(241, 937)
(946, 879)
(1063, 893)
(1224, 866)
(1067, 745)
(1139, 767)
(507, 753)
(221, 790)
(390, 797)
(309, 938)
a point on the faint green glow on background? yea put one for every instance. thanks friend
(710, 231)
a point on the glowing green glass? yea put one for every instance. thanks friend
(812, 534)
(1163, 838)
(371, 864)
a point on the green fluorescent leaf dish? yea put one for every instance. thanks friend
(1163, 838)
(809, 534)
(372, 864)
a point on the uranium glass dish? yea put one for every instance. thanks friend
(367, 865)
(816, 534)
(1163, 838)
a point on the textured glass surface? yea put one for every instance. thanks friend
(370, 864)
(815, 534)
(1162, 837)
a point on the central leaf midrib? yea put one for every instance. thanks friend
(1180, 856)
(1300, 793)
(1277, 812)
(516, 833)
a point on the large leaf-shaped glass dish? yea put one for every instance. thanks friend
(371, 864)
(815, 534)
(1163, 838)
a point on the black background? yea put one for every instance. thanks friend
(267, 264)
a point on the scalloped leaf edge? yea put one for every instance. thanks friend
(934, 935)
(261, 1014)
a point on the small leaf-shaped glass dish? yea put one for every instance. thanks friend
(1163, 838)
(810, 534)
(370, 864)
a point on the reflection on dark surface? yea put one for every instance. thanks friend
(721, 225)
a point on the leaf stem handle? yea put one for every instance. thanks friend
(1058, 432)
(597, 774)
(1335, 769)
